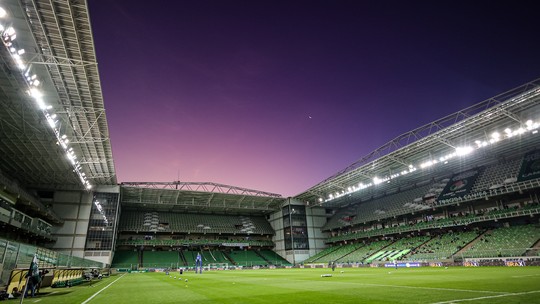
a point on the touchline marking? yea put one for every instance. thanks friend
(102, 289)
(435, 288)
(490, 297)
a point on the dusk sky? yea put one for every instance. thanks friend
(279, 95)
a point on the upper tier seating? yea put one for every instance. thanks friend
(193, 223)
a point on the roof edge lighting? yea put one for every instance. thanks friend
(8, 35)
(529, 127)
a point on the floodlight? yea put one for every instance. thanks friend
(462, 151)
(19, 61)
(51, 122)
(35, 93)
(41, 103)
(10, 31)
(3, 12)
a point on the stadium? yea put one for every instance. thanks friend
(414, 221)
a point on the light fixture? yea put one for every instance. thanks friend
(8, 39)
(458, 151)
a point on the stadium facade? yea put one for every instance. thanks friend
(470, 173)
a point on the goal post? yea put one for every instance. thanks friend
(218, 266)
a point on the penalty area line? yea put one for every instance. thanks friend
(489, 297)
(102, 289)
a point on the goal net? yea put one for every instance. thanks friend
(218, 266)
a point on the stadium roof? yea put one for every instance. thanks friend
(512, 109)
(193, 196)
(59, 50)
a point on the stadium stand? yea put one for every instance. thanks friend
(442, 246)
(189, 257)
(125, 259)
(363, 252)
(507, 241)
(247, 258)
(193, 223)
(165, 225)
(498, 175)
(321, 254)
(335, 255)
(160, 259)
(399, 248)
(273, 258)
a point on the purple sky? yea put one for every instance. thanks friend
(279, 95)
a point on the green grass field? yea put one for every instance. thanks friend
(362, 285)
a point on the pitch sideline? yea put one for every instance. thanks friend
(102, 289)
(489, 297)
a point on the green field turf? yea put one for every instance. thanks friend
(362, 285)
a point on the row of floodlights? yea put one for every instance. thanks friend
(100, 209)
(8, 38)
(495, 137)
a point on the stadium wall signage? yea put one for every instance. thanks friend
(459, 185)
(530, 167)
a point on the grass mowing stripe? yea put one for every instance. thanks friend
(489, 297)
(102, 289)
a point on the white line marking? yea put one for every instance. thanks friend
(527, 275)
(489, 297)
(434, 288)
(37, 300)
(102, 289)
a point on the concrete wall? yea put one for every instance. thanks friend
(315, 217)
(276, 222)
(74, 208)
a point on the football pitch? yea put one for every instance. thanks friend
(348, 285)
